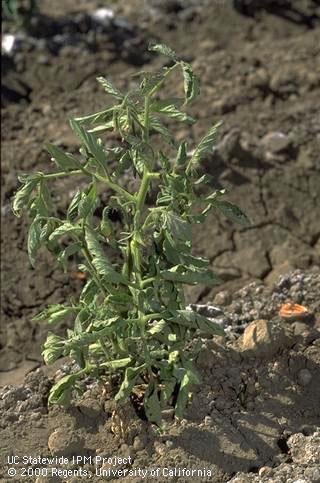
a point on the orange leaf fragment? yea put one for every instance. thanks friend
(291, 310)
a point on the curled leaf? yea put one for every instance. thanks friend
(61, 392)
(164, 50)
(191, 83)
(23, 195)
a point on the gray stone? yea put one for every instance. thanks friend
(276, 142)
(223, 298)
(304, 377)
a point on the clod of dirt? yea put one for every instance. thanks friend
(305, 449)
(29, 398)
(65, 442)
(305, 453)
(263, 338)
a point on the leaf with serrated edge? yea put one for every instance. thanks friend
(110, 89)
(63, 160)
(99, 259)
(203, 148)
(90, 142)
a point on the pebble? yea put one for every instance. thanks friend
(276, 142)
(138, 444)
(160, 448)
(208, 421)
(7, 43)
(103, 15)
(223, 298)
(265, 471)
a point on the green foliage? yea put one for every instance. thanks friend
(131, 316)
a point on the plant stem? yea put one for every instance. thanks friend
(104, 348)
(157, 87)
(97, 176)
(146, 118)
(147, 280)
(62, 173)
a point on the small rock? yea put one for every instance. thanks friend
(276, 142)
(265, 471)
(7, 43)
(304, 377)
(223, 298)
(208, 421)
(103, 16)
(263, 338)
(138, 444)
(160, 448)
